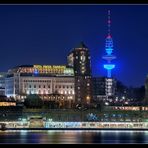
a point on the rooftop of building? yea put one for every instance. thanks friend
(81, 45)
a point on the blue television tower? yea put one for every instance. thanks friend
(109, 50)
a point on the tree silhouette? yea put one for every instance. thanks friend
(33, 101)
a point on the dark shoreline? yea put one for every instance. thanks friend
(134, 129)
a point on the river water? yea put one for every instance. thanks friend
(73, 137)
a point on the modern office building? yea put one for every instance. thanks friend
(79, 59)
(2, 83)
(98, 85)
(43, 80)
(103, 88)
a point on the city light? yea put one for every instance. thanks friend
(109, 66)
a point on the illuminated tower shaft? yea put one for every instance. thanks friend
(109, 49)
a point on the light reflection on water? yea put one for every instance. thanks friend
(73, 136)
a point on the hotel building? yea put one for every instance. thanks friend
(44, 80)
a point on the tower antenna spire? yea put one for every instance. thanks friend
(109, 22)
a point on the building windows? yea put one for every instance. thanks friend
(39, 86)
(48, 86)
(44, 86)
(29, 86)
(34, 86)
(88, 84)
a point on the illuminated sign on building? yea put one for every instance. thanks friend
(45, 69)
(50, 67)
(127, 108)
(53, 69)
(7, 103)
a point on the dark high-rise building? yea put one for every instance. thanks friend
(98, 85)
(103, 88)
(79, 59)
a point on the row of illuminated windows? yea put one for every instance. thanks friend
(35, 86)
(59, 86)
(37, 92)
(47, 92)
(44, 71)
(44, 86)
(49, 81)
(37, 80)
(65, 81)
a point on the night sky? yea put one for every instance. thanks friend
(44, 34)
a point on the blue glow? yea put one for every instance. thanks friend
(109, 66)
(36, 71)
(109, 43)
(109, 51)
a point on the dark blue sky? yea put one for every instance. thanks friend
(44, 34)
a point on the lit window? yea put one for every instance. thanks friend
(88, 84)
(73, 92)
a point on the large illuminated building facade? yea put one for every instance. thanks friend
(79, 59)
(2, 83)
(110, 91)
(44, 80)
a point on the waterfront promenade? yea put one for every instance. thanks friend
(73, 125)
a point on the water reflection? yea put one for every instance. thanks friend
(73, 136)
